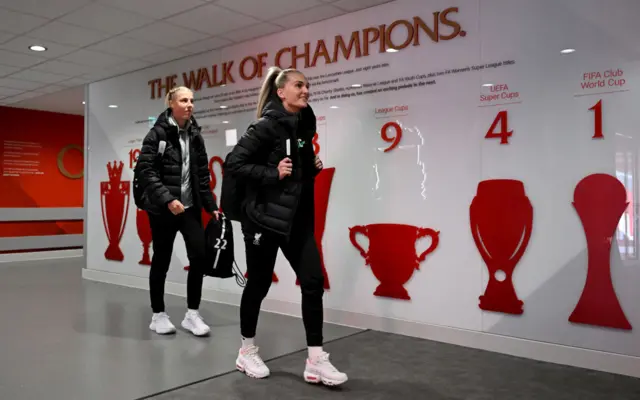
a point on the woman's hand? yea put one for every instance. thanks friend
(285, 167)
(176, 207)
(318, 163)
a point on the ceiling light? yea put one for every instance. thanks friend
(113, 106)
(223, 106)
(225, 122)
(83, 102)
(36, 47)
(356, 85)
(487, 85)
(392, 50)
(567, 51)
(333, 107)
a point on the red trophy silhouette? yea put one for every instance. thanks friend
(213, 182)
(392, 254)
(114, 200)
(321, 201)
(501, 219)
(144, 233)
(599, 200)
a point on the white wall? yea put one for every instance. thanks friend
(431, 178)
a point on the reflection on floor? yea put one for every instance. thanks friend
(65, 338)
(70, 339)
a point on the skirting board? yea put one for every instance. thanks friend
(546, 352)
(40, 255)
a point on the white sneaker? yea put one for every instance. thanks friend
(194, 323)
(251, 364)
(160, 324)
(320, 369)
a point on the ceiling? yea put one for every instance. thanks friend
(91, 40)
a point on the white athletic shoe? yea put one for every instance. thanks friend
(161, 324)
(320, 370)
(250, 362)
(194, 323)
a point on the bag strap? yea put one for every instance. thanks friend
(162, 141)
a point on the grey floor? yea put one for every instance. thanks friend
(65, 338)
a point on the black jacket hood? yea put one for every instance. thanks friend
(163, 120)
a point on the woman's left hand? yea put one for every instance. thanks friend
(318, 163)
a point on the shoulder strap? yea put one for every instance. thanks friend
(162, 141)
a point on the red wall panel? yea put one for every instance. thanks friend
(41, 159)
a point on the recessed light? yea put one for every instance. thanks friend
(225, 122)
(36, 47)
(356, 85)
(333, 107)
(223, 106)
(392, 50)
(487, 84)
(567, 51)
(83, 102)
(113, 106)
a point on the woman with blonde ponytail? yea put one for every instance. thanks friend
(276, 162)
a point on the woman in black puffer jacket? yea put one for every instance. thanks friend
(275, 159)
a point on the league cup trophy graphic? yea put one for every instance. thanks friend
(392, 254)
(321, 200)
(599, 200)
(144, 233)
(501, 219)
(114, 200)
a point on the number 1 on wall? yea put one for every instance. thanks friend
(597, 109)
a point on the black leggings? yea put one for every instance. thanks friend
(302, 253)
(163, 231)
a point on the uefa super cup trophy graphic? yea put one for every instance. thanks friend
(392, 254)
(501, 219)
(599, 200)
(144, 233)
(114, 200)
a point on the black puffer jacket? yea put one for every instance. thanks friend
(271, 203)
(161, 179)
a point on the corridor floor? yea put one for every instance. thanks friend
(65, 338)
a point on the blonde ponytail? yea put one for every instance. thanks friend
(267, 87)
(275, 79)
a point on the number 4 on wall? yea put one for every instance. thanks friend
(504, 133)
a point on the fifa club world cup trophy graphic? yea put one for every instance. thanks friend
(501, 219)
(392, 254)
(599, 200)
(114, 200)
